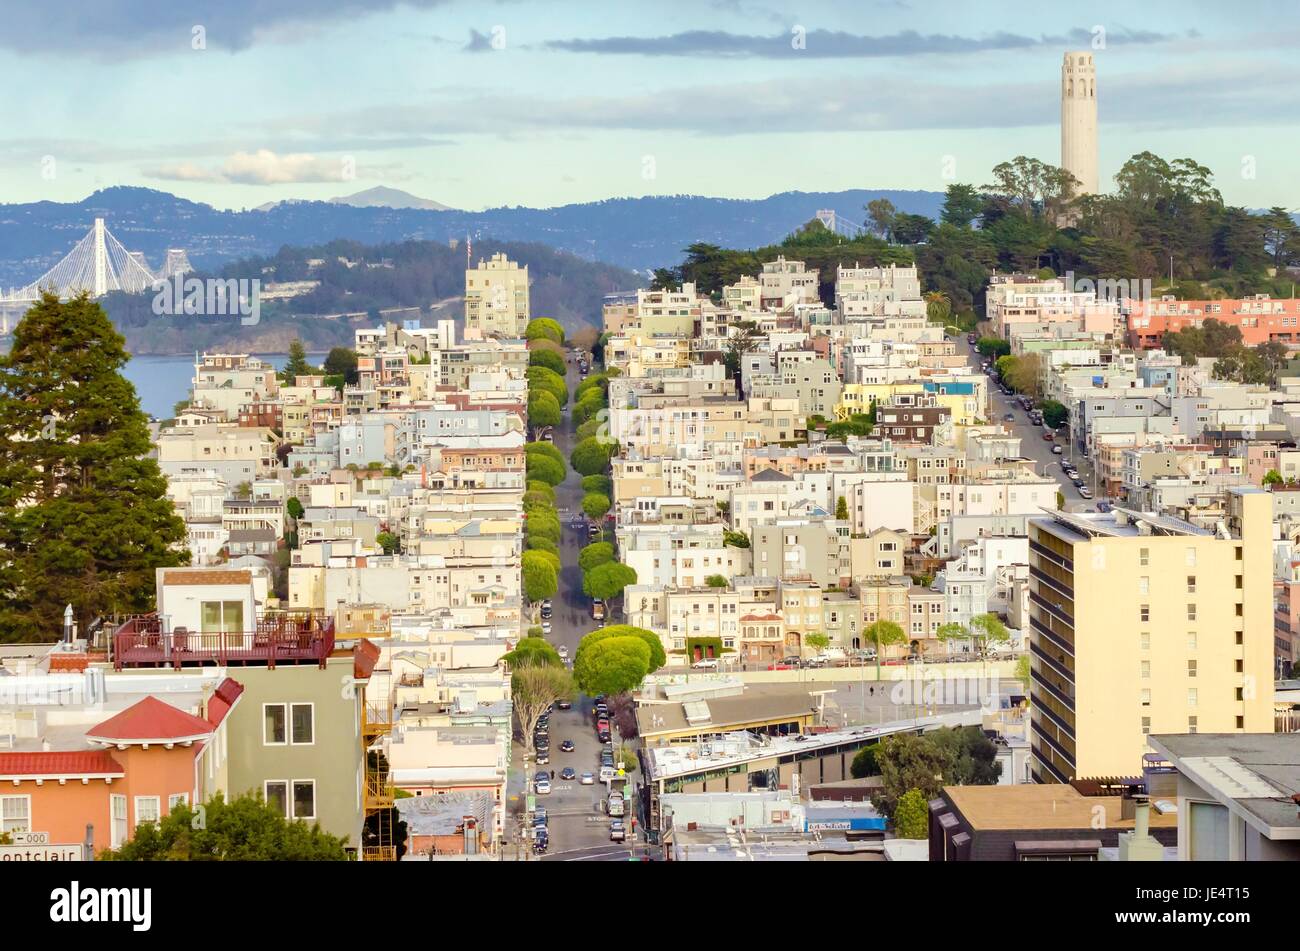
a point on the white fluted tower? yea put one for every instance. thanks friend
(1079, 119)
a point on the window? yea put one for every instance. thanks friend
(1146, 725)
(222, 617)
(1191, 668)
(1191, 724)
(1144, 640)
(1146, 670)
(1191, 584)
(276, 792)
(1191, 641)
(303, 723)
(304, 799)
(1144, 613)
(1146, 697)
(146, 809)
(15, 813)
(1191, 612)
(177, 799)
(1191, 558)
(1144, 556)
(1191, 696)
(117, 809)
(1144, 585)
(273, 724)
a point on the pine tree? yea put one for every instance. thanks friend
(297, 365)
(84, 516)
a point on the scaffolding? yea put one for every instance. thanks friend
(377, 724)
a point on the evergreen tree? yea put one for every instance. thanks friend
(84, 516)
(297, 365)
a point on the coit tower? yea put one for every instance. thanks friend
(1079, 119)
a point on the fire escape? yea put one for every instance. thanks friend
(377, 724)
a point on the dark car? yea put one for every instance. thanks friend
(566, 746)
(568, 773)
(564, 704)
(606, 758)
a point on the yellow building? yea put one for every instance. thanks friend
(496, 299)
(858, 397)
(1142, 623)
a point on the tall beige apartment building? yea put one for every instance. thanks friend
(496, 298)
(1143, 623)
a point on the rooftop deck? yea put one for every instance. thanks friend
(279, 638)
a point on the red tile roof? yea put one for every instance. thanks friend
(60, 763)
(68, 662)
(150, 719)
(364, 658)
(223, 698)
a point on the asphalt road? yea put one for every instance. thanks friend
(1032, 444)
(578, 827)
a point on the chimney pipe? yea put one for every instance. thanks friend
(1141, 817)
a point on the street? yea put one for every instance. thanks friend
(578, 826)
(1032, 444)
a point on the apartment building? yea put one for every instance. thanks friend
(1260, 318)
(1144, 623)
(496, 299)
(1028, 299)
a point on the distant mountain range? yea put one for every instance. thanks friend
(636, 233)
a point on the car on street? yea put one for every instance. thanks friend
(1009, 417)
(568, 773)
(706, 663)
(564, 704)
(1104, 506)
(543, 757)
(782, 665)
(606, 757)
(566, 746)
(617, 832)
(1078, 483)
(1085, 493)
(546, 627)
(546, 609)
(588, 779)
(1049, 435)
(563, 652)
(1057, 450)
(542, 783)
(539, 816)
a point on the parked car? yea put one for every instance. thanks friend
(542, 783)
(706, 663)
(546, 627)
(1008, 417)
(543, 757)
(587, 779)
(564, 704)
(1057, 450)
(568, 773)
(539, 816)
(617, 833)
(1085, 493)
(563, 652)
(782, 665)
(546, 609)
(1049, 435)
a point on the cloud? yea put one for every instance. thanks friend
(113, 29)
(262, 167)
(835, 44)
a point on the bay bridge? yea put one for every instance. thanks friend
(99, 264)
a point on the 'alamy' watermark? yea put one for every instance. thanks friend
(1118, 290)
(209, 297)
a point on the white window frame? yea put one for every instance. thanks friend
(296, 742)
(177, 799)
(266, 795)
(118, 826)
(5, 824)
(292, 800)
(269, 742)
(157, 809)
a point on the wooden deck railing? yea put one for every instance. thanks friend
(287, 637)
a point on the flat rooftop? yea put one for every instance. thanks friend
(1041, 806)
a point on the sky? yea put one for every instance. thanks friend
(490, 103)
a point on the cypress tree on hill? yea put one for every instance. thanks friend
(84, 516)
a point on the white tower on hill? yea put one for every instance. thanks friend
(1079, 119)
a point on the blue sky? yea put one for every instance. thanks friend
(504, 103)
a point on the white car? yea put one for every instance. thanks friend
(707, 663)
(588, 779)
(546, 627)
(563, 652)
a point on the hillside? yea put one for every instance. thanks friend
(637, 233)
(402, 280)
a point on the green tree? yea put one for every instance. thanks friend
(817, 641)
(342, 361)
(597, 553)
(993, 347)
(297, 364)
(295, 508)
(1054, 413)
(962, 204)
(988, 630)
(544, 328)
(864, 763)
(1023, 670)
(540, 578)
(547, 358)
(907, 761)
(595, 505)
(540, 378)
(590, 457)
(545, 469)
(970, 756)
(716, 581)
(608, 580)
(543, 409)
(84, 515)
(735, 539)
(1272, 477)
(842, 509)
(533, 651)
(912, 816)
(246, 829)
(389, 542)
(598, 483)
(881, 634)
(613, 665)
(880, 215)
(657, 656)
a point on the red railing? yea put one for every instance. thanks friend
(140, 642)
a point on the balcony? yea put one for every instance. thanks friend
(284, 637)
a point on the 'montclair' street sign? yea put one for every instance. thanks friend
(36, 847)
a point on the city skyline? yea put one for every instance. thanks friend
(479, 107)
